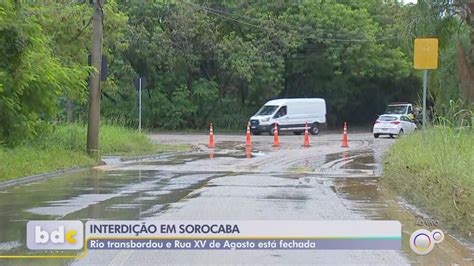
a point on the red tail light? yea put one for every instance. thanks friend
(395, 122)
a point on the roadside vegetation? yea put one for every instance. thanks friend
(60, 147)
(436, 175)
(219, 61)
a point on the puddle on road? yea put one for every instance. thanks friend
(369, 199)
(122, 195)
(358, 183)
(240, 146)
(355, 164)
(234, 151)
(110, 195)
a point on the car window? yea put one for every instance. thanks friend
(387, 118)
(409, 110)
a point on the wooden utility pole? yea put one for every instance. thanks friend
(94, 83)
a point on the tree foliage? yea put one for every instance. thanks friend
(31, 77)
(448, 21)
(215, 60)
(245, 53)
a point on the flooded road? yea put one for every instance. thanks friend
(323, 182)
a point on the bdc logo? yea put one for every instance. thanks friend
(54, 235)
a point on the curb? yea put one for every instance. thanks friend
(38, 177)
(123, 160)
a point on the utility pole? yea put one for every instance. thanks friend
(94, 83)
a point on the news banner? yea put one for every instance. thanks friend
(214, 235)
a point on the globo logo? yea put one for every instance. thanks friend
(55, 235)
(422, 241)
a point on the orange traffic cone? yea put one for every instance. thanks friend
(306, 136)
(211, 137)
(276, 141)
(248, 152)
(248, 141)
(345, 144)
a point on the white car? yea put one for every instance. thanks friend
(393, 125)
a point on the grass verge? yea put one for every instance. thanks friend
(64, 147)
(437, 176)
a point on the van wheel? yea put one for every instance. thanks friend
(297, 132)
(256, 133)
(270, 131)
(314, 130)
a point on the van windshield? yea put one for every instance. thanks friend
(267, 110)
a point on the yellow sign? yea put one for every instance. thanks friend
(426, 53)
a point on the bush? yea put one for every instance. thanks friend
(436, 175)
(64, 146)
(29, 160)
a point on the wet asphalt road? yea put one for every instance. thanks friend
(230, 182)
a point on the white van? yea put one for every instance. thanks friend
(290, 115)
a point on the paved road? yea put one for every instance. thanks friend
(323, 182)
(274, 184)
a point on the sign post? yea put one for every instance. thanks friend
(425, 57)
(140, 83)
(425, 80)
(140, 104)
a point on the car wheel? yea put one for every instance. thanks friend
(314, 130)
(400, 133)
(376, 136)
(256, 133)
(297, 132)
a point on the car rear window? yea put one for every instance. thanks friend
(387, 118)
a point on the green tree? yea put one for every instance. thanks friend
(31, 77)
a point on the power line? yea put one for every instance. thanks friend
(213, 10)
(231, 16)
